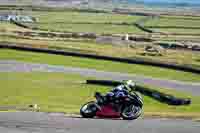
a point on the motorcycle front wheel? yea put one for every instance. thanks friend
(88, 110)
(131, 112)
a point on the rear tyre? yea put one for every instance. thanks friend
(88, 110)
(131, 112)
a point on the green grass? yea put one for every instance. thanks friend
(98, 64)
(75, 21)
(58, 92)
(92, 47)
(74, 17)
(53, 92)
(173, 22)
(181, 31)
(91, 28)
(7, 27)
(176, 24)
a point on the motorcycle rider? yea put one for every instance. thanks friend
(119, 91)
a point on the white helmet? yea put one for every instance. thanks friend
(129, 84)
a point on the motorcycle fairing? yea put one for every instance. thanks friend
(107, 111)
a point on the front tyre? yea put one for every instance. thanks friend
(131, 112)
(88, 110)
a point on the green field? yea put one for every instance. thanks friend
(181, 31)
(170, 21)
(74, 21)
(175, 24)
(82, 17)
(91, 28)
(57, 92)
(107, 23)
(99, 65)
(9, 27)
(84, 21)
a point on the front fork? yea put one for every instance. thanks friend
(98, 106)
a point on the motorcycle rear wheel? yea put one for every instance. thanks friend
(131, 112)
(88, 110)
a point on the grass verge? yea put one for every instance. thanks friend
(98, 64)
(58, 92)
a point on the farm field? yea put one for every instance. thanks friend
(9, 27)
(73, 21)
(175, 24)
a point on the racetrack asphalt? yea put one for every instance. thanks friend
(17, 66)
(38, 122)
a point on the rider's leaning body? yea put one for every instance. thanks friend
(120, 90)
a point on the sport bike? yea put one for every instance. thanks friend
(128, 107)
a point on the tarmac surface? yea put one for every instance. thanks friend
(35, 122)
(17, 66)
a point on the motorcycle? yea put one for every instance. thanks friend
(127, 108)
